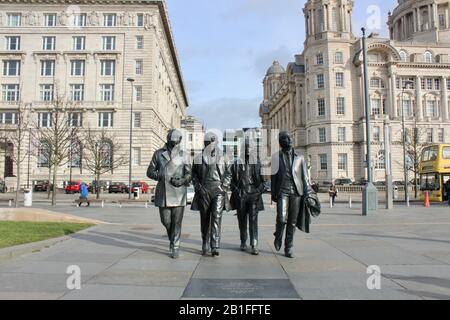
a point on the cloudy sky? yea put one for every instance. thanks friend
(226, 46)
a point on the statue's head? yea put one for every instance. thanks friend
(174, 138)
(210, 139)
(285, 140)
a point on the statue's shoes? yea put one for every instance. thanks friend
(215, 253)
(255, 251)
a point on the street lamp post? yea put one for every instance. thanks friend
(370, 192)
(131, 81)
(388, 166)
(405, 154)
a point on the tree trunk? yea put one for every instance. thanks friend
(49, 188)
(16, 198)
(97, 187)
(54, 187)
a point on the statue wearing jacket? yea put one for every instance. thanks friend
(171, 168)
(289, 182)
(211, 176)
(247, 189)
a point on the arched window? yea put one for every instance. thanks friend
(403, 56)
(75, 152)
(428, 57)
(43, 154)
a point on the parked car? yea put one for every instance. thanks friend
(103, 186)
(73, 187)
(343, 182)
(42, 186)
(118, 187)
(142, 185)
(380, 183)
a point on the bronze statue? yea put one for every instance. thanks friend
(211, 176)
(247, 189)
(288, 185)
(171, 168)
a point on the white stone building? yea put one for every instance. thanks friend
(319, 97)
(86, 49)
(194, 135)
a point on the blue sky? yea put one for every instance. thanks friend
(226, 46)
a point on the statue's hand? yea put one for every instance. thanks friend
(177, 182)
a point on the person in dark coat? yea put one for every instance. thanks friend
(211, 176)
(247, 188)
(172, 169)
(289, 180)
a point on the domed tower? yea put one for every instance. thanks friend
(420, 20)
(273, 80)
(329, 78)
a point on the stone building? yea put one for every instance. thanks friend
(86, 50)
(319, 97)
(194, 135)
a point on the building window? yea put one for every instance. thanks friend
(323, 162)
(109, 20)
(319, 59)
(106, 154)
(47, 68)
(46, 92)
(44, 119)
(75, 154)
(376, 134)
(109, 43)
(105, 119)
(50, 20)
(441, 135)
(430, 134)
(78, 43)
(137, 116)
(75, 119)
(320, 81)
(437, 84)
(11, 68)
(8, 118)
(48, 43)
(77, 92)
(407, 107)
(136, 156)
(43, 155)
(339, 57)
(442, 21)
(340, 101)
(339, 79)
(403, 56)
(13, 43)
(139, 42)
(380, 163)
(342, 137)
(377, 83)
(10, 92)
(428, 57)
(429, 84)
(431, 108)
(140, 20)
(139, 67)
(77, 67)
(322, 135)
(342, 161)
(321, 107)
(14, 19)
(448, 84)
(376, 106)
(108, 67)
(138, 93)
(107, 92)
(79, 20)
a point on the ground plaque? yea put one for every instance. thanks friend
(241, 289)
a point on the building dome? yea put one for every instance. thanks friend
(276, 68)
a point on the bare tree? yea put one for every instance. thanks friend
(101, 153)
(55, 134)
(414, 149)
(14, 134)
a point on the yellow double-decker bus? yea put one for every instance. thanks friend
(435, 171)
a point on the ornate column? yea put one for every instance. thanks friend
(444, 100)
(435, 16)
(419, 19)
(414, 20)
(313, 26)
(419, 111)
(430, 16)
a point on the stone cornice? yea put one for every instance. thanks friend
(163, 11)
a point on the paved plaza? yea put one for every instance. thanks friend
(127, 259)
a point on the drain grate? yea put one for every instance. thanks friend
(241, 289)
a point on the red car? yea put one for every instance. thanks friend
(73, 187)
(142, 185)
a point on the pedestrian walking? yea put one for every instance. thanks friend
(333, 191)
(84, 195)
(447, 190)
